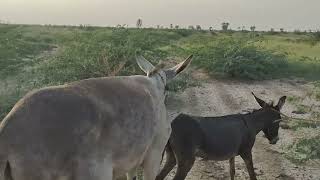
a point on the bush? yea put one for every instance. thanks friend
(316, 36)
(239, 58)
(82, 53)
(181, 83)
(305, 150)
(99, 53)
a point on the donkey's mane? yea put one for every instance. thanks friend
(156, 69)
(250, 111)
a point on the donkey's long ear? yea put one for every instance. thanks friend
(281, 102)
(172, 72)
(144, 64)
(181, 66)
(260, 101)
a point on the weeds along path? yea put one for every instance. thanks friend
(217, 97)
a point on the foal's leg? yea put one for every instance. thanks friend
(170, 163)
(185, 158)
(247, 157)
(184, 166)
(232, 168)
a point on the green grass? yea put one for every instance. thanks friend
(302, 53)
(182, 82)
(85, 52)
(304, 150)
(18, 46)
(293, 99)
(302, 109)
(303, 124)
(316, 91)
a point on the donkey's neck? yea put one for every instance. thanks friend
(159, 81)
(257, 120)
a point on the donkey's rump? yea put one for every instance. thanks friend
(50, 129)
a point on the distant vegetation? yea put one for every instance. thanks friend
(37, 56)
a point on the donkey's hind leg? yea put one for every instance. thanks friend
(170, 163)
(185, 158)
(184, 166)
(247, 158)
(232, 168)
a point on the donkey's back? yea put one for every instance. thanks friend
(215, 138)
(55, 132)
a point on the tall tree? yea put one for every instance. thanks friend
(139, 23)
(225, 26)
(191, 27)
(253, 28)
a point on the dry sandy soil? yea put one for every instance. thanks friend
(217, 97)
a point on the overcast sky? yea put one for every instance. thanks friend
(264, 14)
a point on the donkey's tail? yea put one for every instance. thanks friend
(5, 169)
(164, 150)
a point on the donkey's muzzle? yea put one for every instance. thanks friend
(274, 140)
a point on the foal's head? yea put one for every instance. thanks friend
(272, 112)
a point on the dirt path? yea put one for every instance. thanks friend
(216, 98)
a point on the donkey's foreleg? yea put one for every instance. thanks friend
(232, 168)
(151, 164)
(247, 157)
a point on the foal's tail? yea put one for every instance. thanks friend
(5, 169)
(166, 148)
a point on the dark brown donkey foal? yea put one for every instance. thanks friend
(219, 138)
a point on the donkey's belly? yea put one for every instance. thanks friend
(215, 155)
(220, 149)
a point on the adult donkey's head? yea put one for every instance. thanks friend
(161, 76)
(273, 115)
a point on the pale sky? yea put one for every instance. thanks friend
(264, 14)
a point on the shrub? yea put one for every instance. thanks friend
(305, 149)
(96, 54)
(239, 58)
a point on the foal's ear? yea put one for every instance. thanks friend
(174, 71)
(281, 102)
(260, 101)
(180, 67)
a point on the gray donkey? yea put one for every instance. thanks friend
(93, 129)
(219, 138)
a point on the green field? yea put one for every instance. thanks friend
(36, 56)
